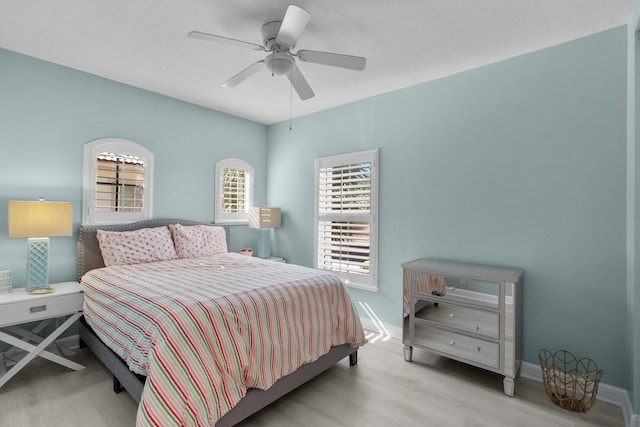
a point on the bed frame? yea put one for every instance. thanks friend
(90, 257)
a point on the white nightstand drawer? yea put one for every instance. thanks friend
(40, 308)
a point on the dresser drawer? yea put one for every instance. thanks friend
(40, 308)
(458, 345)
(466, 319)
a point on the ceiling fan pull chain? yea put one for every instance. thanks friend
(290, 101)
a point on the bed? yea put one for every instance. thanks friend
(207, 340)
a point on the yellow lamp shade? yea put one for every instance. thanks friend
(40, 219)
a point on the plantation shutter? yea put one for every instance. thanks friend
(234, 184)
(346, 189)
(233, 191)
(119, 183)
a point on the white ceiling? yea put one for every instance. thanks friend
(143, 43)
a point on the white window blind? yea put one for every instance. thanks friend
(346, 209)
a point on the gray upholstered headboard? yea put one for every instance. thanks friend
(89, 255)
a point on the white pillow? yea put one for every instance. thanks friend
(198, 240)
(135, 247)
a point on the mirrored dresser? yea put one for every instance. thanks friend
(467, 312)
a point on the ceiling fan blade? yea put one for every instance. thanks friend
(334, 59)
(244, 74)
(300, 83)
(225, 40)
(293, 24)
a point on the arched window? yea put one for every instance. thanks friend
(117, 182)
(234, 191)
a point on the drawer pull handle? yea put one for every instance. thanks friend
(452, 315)
(38, 308)
(452, 343)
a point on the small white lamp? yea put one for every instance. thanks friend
(264, 219)
(38, 221)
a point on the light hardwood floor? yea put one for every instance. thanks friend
(382, 390)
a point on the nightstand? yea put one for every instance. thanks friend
(20, 307)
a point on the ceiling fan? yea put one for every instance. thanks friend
(279, 39)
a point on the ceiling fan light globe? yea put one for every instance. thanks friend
(279, 63)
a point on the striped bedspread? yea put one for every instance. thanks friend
(204, 330)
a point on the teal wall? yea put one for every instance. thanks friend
(47, 114)
(519, 163)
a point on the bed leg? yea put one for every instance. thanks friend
(117, 387)
(353, 359)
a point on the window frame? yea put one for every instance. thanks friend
(367, 282)
(221, 217)
(90, 216)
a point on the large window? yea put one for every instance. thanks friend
(117, 182)
(234, 191)
(346, 194)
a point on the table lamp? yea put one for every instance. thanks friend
(38, 221)
(264, 219)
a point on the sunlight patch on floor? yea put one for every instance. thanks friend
(380, 332)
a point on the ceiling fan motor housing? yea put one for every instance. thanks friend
(279, 61)
(270, 32)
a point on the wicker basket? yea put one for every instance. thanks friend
(5, 282)
(570, 383)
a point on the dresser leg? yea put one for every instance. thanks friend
(408, 353)
(509, 386)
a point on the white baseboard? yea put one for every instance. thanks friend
(606, 393)
(71, 342)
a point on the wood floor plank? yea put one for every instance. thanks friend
(382, 390)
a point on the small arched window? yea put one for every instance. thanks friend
(117, 182)
(234, 191)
